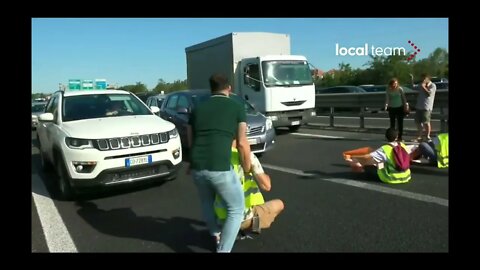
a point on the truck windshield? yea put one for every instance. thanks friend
(286, 73)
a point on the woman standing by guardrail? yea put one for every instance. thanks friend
(396, 104)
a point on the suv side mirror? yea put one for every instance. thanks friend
(46, 117)
(154, 109)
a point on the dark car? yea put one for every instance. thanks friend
(156, 100)
(373, 88)
(37, 109)
(144, 96)
(381, 88)
(177, 107)
(442, 85)
(341, 89)
(438, 81)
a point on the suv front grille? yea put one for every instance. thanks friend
(131, 142)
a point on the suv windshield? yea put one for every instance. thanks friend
(101, 105)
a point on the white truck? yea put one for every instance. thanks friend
(262, 70)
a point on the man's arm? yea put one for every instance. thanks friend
(425, 88)
(366, 159)
(243, 146)
(263, 179)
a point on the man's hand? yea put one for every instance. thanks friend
(425, 88)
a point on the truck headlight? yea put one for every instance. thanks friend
(173, 133)
(269, 124)
(75, 143)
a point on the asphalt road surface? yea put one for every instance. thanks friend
(327, 207)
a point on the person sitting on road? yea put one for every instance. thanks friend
(380, 164)
(436, 151)
(115, 108)
(258, 214)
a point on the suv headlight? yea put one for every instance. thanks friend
(75, 143)
(268, 123)
(173, 133)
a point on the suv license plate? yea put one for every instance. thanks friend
(138, 160)
(295, 123)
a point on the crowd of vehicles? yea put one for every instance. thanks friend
(101, 138)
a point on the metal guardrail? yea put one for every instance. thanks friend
(377, 100)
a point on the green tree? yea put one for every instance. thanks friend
(134, 88)
(436, 64)
(170, 87)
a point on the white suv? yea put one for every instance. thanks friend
(103, 138)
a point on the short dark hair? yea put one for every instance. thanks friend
(218, 82)
(391, 134)
(425, 75)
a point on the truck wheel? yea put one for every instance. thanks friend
(65, 190)
(293, 128)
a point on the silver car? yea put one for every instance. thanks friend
(37, 109)
(178, 105)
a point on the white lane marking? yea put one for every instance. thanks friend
(317, 135)
(56, 234)
(368, 118)
(383, 189)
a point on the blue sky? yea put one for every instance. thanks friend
(129, 50)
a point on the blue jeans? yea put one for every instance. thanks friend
(428, 151)
(228, 186)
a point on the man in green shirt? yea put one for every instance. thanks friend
(212, 127)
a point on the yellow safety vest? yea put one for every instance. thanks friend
(389, 173)
(251, 191)
(442, 151)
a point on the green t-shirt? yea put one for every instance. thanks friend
(214, 125)
(395, 98)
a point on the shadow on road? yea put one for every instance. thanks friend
(178, 233)
(347, 174)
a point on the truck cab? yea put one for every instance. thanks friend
(261, 70)
(280, 86)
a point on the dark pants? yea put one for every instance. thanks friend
(428, 151)
(398, 114)
(371, 173)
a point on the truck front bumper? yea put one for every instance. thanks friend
(291, 118)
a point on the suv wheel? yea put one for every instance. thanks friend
(64, 188)
(46, 166)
